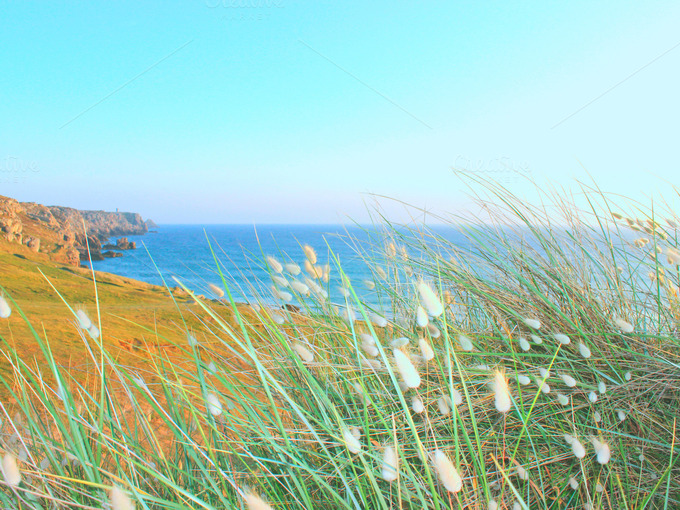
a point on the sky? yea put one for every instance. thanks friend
(283, 111)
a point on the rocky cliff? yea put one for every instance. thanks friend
(59, 232)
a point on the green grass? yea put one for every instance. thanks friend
(296, 409)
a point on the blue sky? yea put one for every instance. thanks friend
(274, 111)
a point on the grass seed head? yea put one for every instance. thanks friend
(309, 253)
(503, 399)
(5, 310)
(274, 264)
(292, 268)
(465, 343)
(623, 325)
(584, 350)
(216, 290)
(351, 441)
(577, 448)
(83, 320)
(120, 499)
(602, 450)
(390, 464)
(421, 317)
(304, 353)
(378, 320)
(523, 379)
(524, 344)
(214, 405)
(536, 339)
(429, 300)
(562, 338)
(408, 372)
(532, 323)
(426, 349)
(417, 404)
(254, 502)
(569, 381)
(447, 472)
(10, 470)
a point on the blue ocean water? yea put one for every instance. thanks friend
(184, 251)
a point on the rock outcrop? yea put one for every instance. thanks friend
(63, 233)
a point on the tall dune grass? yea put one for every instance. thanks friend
(540, 368)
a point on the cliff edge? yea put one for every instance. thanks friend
(58, 231)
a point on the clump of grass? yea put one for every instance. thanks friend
(429, 395)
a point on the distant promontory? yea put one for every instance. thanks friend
(60, 232)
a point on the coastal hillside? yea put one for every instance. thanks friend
(61, 234)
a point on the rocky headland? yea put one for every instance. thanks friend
(64, 234)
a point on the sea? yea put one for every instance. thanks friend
(196, 254)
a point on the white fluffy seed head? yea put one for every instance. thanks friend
(370, 349)
(465, 343)
(602, 450)
(398, 343)
(524, 344)
(563, 399)
(381, 273)
(10, 470)
(309, 253)
(621, 415)
(597, 417)
(83, 320)
(421, 317)
(120, 499)
(433, 330)
(573, 483)
(292, 268)
(304, 353)
(443, 405)
(569, 381)
(592, 396)
(408, 372)
(390, 464)
(522, 473)
(417, 404)
(93, 332)
(300, 287)
(5, 310)
(545, 387)
(532, 323)
(627, 376)
(426, 350)
(503, 399)
(584, 350)
(578, 449)
(536, 339)
(602, 387)
(623, 326)
(562, 338)
(216, 290)
(493, 505)
(274, 264)
(378, 320)
(429, 300)
(351, 441)
(254, 502)
(523, 379)
(545, 373)
(280, 281)
(369, 284)
(447, 472)
(214, 405)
